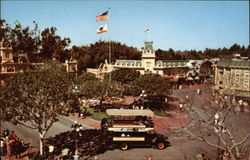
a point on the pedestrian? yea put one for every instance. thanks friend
(17, 148)
(13, 135)
(166, 100)
(79, 111)
(237, 109)
(6, 133)
(203, 156)
(150, 157)
(200, 157)
(3, 146)
(198, 91)
(51, 152)
(10, 146)
(180, 106)
(76, 157)
(216, 118)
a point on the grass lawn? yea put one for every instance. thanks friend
(162, 113)
(96, 115)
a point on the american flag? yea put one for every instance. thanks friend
(102, 17)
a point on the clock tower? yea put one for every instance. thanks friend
(148, 58)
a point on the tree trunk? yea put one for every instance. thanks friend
(41, 136)
(218, 149)
(237, 152)
(232, 155)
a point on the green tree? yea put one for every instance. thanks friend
(53, 45)
(91, 56)
(156, 87)
(37, 45)
(23, 39)
(100, 89)
(82, 79)
(124, 76)
(234, 48)
(34, 99)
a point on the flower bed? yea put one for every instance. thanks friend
(113, 100)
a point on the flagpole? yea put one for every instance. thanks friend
(148, 35)
(110, 63)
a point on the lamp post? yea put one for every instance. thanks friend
(76, 89)
(77, 127)
(143, 95)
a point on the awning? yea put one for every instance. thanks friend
(129, 112)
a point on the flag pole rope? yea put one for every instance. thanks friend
(110, 63)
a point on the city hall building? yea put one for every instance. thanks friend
(174, 70)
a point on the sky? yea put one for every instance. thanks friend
(180, 25)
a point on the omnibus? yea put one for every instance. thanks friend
(129, 127)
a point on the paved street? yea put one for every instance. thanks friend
(31, 136)
(183, 146)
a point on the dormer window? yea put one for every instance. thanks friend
(7, 55)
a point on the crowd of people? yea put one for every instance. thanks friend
(11, 145)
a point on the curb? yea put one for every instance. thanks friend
(67, 121)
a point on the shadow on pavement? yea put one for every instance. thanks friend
(88, 142)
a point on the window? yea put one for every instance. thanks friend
(246, 79)
(237, 78)
(7, 55)
(10, 69)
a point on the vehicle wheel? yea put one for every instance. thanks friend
(124, 146)
(160, 145)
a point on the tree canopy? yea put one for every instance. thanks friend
(84, 78)
(93, 55)
(156, 87)
(39, 46)
(100, 89)
(34, 99)
(124, 76)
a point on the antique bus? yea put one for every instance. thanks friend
(129, 127)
